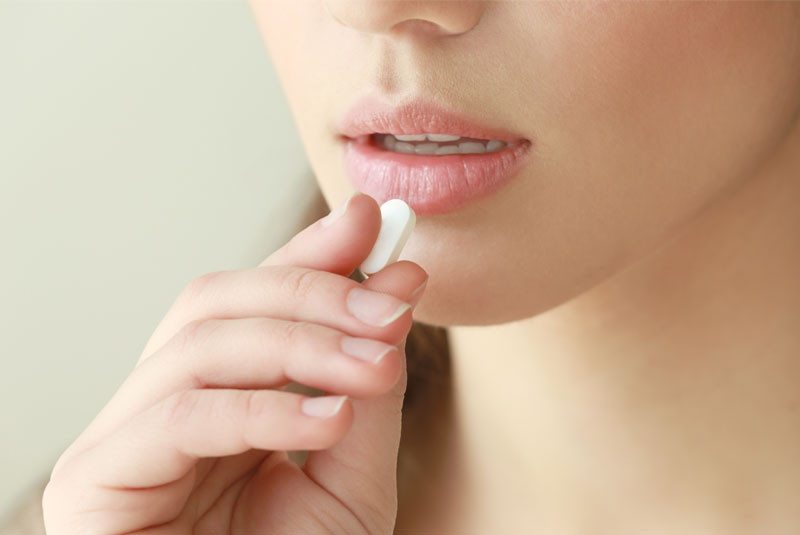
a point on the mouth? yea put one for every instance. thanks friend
(432, 177)
(435, 159)
(427, 144)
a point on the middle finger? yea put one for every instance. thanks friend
(291, 293)
(258, 353)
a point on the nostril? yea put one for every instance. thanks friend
(405, 19)
(419, 27)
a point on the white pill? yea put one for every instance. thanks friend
(397, 222)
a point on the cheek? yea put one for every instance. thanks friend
(321, 65)
(643, 114)
(659, 107)
(687, 89)
(300, 45)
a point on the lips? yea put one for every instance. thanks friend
(371, 115)
(429, 183)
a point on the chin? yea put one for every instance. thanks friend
(451, 303)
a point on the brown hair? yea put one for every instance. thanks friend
(428, 392)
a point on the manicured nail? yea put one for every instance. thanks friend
(416, 294)
(365, 348)
(375, 308)
(336, 214)
(322, 406)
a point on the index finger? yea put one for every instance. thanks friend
(339, 248)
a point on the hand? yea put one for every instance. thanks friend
(194, 440)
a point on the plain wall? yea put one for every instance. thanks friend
(142, 144)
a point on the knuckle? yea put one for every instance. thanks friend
(191, 335)
(199, 285)
(254, 406)
(301, 343)
(179, 408)
(187, 343)
(59, 500)
(293, 333)
(299, 283)
(187, 334)
(64, 503)
(50, 496)
(53, 504)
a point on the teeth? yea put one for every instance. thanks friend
(471, 147)
(447, 149)
(411, 137)
(429, 137)
(493, 145)
(406, 148)
(400, 143)
(442, 137)
(426, 148)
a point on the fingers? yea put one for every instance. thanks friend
(296, 294)
(403, 279)
(222, 476)
(163, 443)
(268, 353)
(136, 394)
(74, 506)
(338, 248)
(205, 383)
(376, 423)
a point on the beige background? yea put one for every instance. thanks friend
(142, 144)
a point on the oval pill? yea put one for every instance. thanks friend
(397, 222)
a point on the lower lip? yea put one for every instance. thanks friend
(430, 184)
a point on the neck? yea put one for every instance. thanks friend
(669, 393)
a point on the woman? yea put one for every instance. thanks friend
(610, 240)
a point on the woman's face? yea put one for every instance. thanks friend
(639, 114)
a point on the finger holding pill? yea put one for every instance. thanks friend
(229, 340)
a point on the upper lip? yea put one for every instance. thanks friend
(371, 115)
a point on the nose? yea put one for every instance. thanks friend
(442, 18)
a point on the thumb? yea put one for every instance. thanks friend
(361, 469)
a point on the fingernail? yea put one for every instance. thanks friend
(322, 406)
(365, 348)
(416, 294)
(375, 308)
(334, 216)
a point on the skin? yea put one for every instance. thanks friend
(633, 294)
(195, 440)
